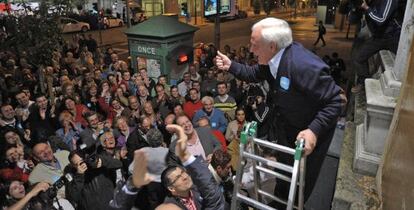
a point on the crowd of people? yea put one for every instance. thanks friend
(88, 112)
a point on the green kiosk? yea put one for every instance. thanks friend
(162, 45)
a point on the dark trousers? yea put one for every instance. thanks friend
(364, 49)
(320, 37)
(313, 166)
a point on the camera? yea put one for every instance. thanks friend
(89, 154)
(44, 200)
(251, 100)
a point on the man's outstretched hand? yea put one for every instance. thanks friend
(181, 146)
(140, 176)
(222, 61)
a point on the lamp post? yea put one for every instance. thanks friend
(128, 13)
(195, 12)
(217, 26)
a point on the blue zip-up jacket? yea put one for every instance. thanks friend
(384, 17)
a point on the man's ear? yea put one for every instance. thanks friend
(171, 189)
(273, 46)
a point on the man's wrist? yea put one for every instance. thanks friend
(190, 159)
(130, 187)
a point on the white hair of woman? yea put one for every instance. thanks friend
(275, 30)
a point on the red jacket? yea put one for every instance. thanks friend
(191, 108)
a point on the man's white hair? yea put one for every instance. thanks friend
(275, 30)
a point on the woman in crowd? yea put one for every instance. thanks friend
(70, 130)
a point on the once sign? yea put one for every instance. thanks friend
(146, 50)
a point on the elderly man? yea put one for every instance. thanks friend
(49, 166)
(8, 118)
(216, 116)
(305, 101)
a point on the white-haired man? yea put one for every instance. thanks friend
(304, 100)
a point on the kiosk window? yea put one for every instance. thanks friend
(153, 66)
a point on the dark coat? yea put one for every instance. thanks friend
(95, 188)
(135, 141)
(302, 96)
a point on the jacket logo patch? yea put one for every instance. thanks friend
(284, 83)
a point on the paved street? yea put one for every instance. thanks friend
(237, 32)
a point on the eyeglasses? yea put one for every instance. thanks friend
(182, 174)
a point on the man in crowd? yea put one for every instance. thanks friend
(217, 119)
(305, 101)
(94, 181)
(220, 167)
(24, 104)
(42, 120)
(8, 118)
(194, 104)
(224, 101)
(190, 187)
(89, 135)
(200, 141)
(185, 85)
(50, 166)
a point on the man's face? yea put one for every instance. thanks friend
(89, 77)
(194, 96)
(43, 152)
(109, 141)
(187, 78)
(196, 85)
(192, 70)
(76, 161)
(174, 92)
(41, 102)
(162, 80)
(93, 121)
(133, 103)
(210, 74)
(263, 51)
(7, 112)
(180, 181)
(114, 58)
(22, 99)
(222, 89)
(97, 74)
(184, 122)
(208, 106)
(224, 172)
(178, 110)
